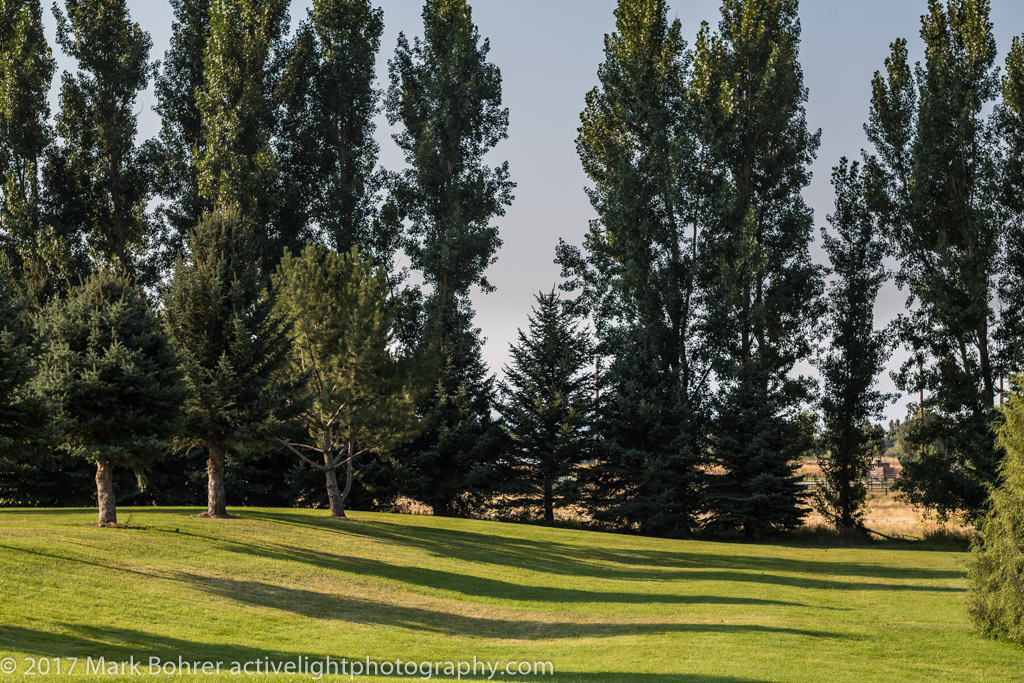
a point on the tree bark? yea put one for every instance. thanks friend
(105, 492)
(334, 497)
(216, 498)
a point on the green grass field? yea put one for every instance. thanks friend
(282, 584)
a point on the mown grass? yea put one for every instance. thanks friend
(287, 583)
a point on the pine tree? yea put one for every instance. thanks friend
(182, 140)
(850, 398)
(760, 284)
(933, 178)
(112, 371)
(343, 331)
(996, 600)
(234, 348)
(100, 180)
(237, 163)
(547, 405)
(327, 150)
(26, 72)
(640, 147)
(447, 98)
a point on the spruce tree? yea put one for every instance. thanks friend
(343, 333)
(100, 180)
(761, 287)
(996, 599)
(850, 398)
(547, 404)
(933, 180)
(237, 164)
(181, 141)
(447, 98)
(234, 348)
(637, 274)
(327, 150)
(115, 378)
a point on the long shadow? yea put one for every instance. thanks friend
(319, 605)
(121, 644)
(565, 559)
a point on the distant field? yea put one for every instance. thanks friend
(281, 585)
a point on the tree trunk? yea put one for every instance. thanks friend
(549, 502)
(216, 498)
(105, 492)
(333, 494)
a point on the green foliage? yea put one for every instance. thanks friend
(933, 185)
(547, 405)
(997, 564)
(112, 372)
(342, 327)
(100, 180)
(850, 399)
(179, 145)
(761, 288)
(237, 163)
(234, 347)
(1010, 121)
(327, 150)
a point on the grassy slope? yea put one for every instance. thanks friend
(602, 607)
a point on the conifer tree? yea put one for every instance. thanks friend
(112, 372)
(933, 180)
(759, 281)
(547, 405)
(996, 600)
(327, 150)
(447, 98)
(100, 179)
(636, 275)
(343, 331)
(234, 348)
(181, 141)
(237, 163)
(850, 398)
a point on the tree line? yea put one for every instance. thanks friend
(221, 307)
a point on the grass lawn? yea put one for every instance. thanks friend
(281, 584)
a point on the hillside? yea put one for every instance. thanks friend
(280, 585)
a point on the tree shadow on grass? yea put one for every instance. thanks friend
(318, 605)
(602, 563)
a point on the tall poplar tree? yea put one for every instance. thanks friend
(447, 98)
(857, 353)
(101, 180)
(761, 287)
(637, 273)
(235, 349)
(933, 179)
(181, 141)
(327, 150)
(238, 166)
(1010, 121)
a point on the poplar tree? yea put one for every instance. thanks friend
(26, 71)
(100, 180)
(547, 404)
(341, 349)
(447, 98)
(933, 178)
(115, 378)
(857, 353)
(637, 273)
(327, 150)
(237, 164)
(761, 287)
(235, 349)
(1010, 122)
(182, 140)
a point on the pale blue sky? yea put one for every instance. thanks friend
(549, 51)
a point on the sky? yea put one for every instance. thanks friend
(549, 51)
